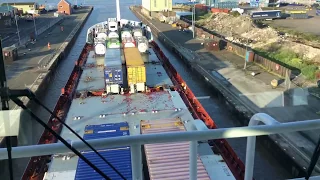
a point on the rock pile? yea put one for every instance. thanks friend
(242, 30)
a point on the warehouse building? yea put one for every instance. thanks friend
(23, 7)
(154, 6)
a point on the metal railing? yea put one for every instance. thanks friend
(136, 141)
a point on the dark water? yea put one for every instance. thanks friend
(266, 166)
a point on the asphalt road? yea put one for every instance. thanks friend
(310, 25)
(10, 35)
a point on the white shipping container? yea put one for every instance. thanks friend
(100, 49)
(137, 32)
(142, 44)
(128, 42)
(113, 34)
(125, 34)
(102, 36)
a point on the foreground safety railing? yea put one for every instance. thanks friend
(193, 136)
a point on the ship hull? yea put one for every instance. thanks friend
(37, 166)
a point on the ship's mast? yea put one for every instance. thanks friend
(118, 10)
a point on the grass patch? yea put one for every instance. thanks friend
(199, 16)
(235, 13)
(289, 57)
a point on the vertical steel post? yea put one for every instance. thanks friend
(193, 160)
(193, 19)
(136, 162)
(251, 142)
(35, 27)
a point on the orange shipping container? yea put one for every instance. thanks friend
(133, 56)
(217, 10)
(136, 70)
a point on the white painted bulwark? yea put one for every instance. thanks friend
(60, 175)
(10, 122)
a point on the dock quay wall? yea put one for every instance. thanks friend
(48, 67)
(276, 144)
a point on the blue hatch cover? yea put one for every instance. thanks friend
(119, 157)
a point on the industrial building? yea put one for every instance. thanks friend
(24, 7)
(151, 6)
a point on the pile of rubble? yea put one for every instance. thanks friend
(241, 30)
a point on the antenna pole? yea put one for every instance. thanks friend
(118, 10)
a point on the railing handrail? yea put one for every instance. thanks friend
(221, 133)
(135, 141)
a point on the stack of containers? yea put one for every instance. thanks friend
(142, 43)
(200, 8)
(225, 4)
(99, 48)
(298, 14)
(113, 72)
(217, 10)
(102, 36)
(113, 34)
(137, 32)
(119, 157)
(128, 42)
(113, 43)
(125, 33)
(136, 70)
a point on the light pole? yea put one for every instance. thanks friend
(15, 17)
(245, 61)
(193, 19)
(35, 28)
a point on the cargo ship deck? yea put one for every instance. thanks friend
(159, 112)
